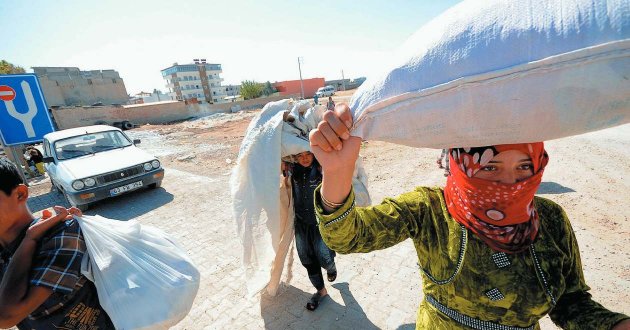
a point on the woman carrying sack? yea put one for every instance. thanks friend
(493, 256)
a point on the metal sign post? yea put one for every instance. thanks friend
(11, 155)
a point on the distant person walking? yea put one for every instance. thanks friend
(37, 158)
(316, 99)
(314, 255)
(331, 104)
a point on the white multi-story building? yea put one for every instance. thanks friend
(199, 80)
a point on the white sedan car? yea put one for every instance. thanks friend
(91, 163)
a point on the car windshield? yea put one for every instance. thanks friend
(82, 145)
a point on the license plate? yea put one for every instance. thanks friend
(125, 188)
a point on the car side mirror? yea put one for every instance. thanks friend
(48, 160)
(136, 141)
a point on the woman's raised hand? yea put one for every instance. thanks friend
(331, 142)
(336, 151)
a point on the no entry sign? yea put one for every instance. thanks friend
(24, 115)
(7, 93)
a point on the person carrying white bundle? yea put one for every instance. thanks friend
(486, 81)
(41, 285)
(492, 255)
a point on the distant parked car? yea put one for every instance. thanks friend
(325, 91)
(88, 164)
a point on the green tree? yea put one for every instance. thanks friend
(251, 89)
(8, 68)
(269, 89)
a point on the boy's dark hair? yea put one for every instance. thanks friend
(9, 176)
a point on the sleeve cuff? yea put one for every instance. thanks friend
(338, 215)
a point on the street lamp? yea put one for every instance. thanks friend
(300, 61)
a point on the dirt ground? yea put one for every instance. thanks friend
(588, 175)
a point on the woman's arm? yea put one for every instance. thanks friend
(337, 152)
(575, 308)
(353, 229)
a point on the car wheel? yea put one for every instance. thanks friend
(155, 185)
(53, 186)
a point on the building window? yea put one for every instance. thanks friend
(212, 84)
(214, 93)
(196, 86)
(215, 100)
(89, 81)
(114, 81)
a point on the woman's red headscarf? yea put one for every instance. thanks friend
(502, 215)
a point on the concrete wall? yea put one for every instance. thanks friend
(150, 113)
(83, 91)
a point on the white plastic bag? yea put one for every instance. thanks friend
(144, 280)
(494, 72)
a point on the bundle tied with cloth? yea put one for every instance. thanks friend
(499, 72)
(262, 198)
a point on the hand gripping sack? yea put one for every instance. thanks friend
(144, 280)
(495, 71)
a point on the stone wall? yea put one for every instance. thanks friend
(83, 88)
(150, 113)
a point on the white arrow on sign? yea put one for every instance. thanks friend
(25, 118)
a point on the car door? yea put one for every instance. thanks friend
(51, 167)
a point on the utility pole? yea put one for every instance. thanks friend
(343, 80)
(301, 83)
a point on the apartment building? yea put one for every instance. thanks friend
(69, 86)
(198, 81)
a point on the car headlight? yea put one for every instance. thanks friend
(78, 185)
(155, 163)
(147, 166)
(89, 182)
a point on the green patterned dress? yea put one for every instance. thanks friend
(466, 284)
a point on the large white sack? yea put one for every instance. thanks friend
(144, 279)
(495, 71)
(262, 199)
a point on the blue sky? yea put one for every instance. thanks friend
(257, 40)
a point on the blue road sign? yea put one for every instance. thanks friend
(23, 112)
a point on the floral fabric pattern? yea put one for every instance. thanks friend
(508, 289)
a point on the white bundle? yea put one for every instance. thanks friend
(493, 72)
(262, 200)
